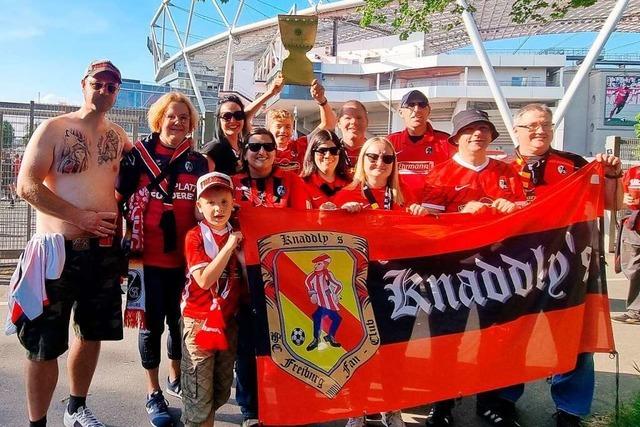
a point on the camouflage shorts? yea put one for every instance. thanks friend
(90, 284)
(206, 376)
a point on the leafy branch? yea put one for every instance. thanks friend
(411, 16)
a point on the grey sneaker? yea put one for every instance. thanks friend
(392, 419)
(250, 422)
(629, 318)
(356, 422)
(83, 417)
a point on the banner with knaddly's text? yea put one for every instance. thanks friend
(376, 311)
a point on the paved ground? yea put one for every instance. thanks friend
(117, 393)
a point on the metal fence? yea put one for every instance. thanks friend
(628, 150)
(18, 122)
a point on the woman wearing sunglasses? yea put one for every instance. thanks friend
(225, 151)
(375, 183)
(261, 184)
(324, 168)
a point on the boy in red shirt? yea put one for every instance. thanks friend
(209, 302)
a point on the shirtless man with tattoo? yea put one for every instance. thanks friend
(68, 175)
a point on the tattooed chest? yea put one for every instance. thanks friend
(77, 153)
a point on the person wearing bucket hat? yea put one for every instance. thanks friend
(419, 146)
(470, 181)
(209, 303)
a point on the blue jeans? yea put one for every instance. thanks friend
(572, 392)
(317, 321)
(246, 370)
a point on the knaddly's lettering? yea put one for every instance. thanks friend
(305, 238)
(410, 292)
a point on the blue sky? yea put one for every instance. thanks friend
(45, 45)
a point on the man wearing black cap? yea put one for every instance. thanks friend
(419, 147)
(471, 181)
(68, 175)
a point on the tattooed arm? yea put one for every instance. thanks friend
(37, 163)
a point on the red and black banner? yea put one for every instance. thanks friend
(376, 311)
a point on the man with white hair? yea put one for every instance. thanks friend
(540, 168)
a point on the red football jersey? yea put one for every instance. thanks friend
(417, 159)
(352, 156)
(281, 189)
(291, 158)
(320, 191)
(539, 174)
(452, 184)
(196, 301)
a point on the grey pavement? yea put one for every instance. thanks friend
(118, 388)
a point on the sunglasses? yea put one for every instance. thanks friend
(256, 146)
(420, 105)
(386, 158)
(111, 87)
(324, 150)
(238, 115)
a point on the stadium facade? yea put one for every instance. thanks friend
(375, 67)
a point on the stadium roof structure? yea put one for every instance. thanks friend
(491, 20)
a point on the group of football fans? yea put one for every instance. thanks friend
(419, 170)
(163, 182)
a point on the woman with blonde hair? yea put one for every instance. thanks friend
(376, 184)
(158, 180)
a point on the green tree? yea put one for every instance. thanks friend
(7, 134)
(636, 127)
(411, 16)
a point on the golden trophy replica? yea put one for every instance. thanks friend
(298, 35)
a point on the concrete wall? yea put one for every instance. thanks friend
(505, 74)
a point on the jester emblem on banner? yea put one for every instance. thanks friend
(321, 323)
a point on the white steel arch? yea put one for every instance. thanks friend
(259, 41)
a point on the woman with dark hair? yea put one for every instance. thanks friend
(261, 184)
(233, 123)
(324, 168)
(225, 151)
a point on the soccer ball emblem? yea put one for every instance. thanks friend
(297, 336)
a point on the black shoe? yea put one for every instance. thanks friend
(332, 342)
(313, 345)
(565, 419)
(499, 413)
(439, 416)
